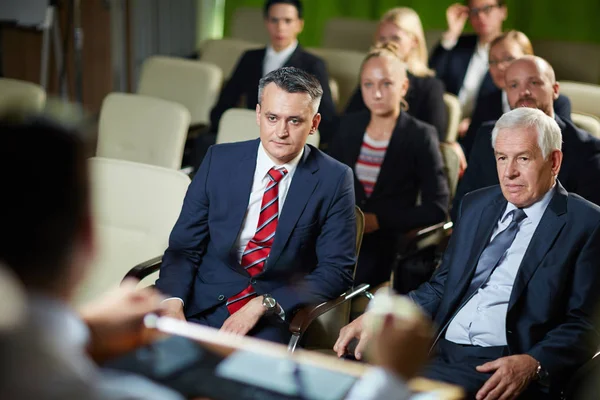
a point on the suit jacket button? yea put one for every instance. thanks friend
(509, 332)
(253, 281)
(221, 297)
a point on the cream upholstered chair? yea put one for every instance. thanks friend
(225, 53)
(344, 67)
(588, 123)
(571, 60)
(134, 208)
(451, 167)
(247, 23)
(454, 116)
(193, 84)
(349, 34)
(16, 95)
(142, 129)
(585, 97)
(239, 124)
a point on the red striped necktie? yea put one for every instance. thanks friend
(258, 248)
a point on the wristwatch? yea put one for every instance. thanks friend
(541, 375)
(269, 303)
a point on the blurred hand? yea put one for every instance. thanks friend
(173, 308)
(116, 320)
(456, 16)
(371, 223)
(511, 377)
(354, 330)
(402, 346)
(463, 127)
(243, 320)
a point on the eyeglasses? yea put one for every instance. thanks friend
(495, 63)
(485, 10)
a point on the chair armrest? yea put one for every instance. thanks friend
(144, 269)
(306, 315)
(409, 241)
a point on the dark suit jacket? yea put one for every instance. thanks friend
(249, 70)
(313, 254)
(451, 65)
(412, 165)
(555, 293)
(579, 173)
(425, 98)
(489, 108)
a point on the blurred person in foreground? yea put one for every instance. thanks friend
(461, 60)
(267, 225)
(515, 295)
(530, 82)
(395, 158)
(47, 243)
(504, 49)
(424, 98)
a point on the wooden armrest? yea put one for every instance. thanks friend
(306, 315)
(144, 269)
(409, 241)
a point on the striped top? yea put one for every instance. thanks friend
(368, 165)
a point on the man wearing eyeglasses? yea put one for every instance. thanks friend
(461, 61)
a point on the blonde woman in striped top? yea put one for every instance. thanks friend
(395, 157)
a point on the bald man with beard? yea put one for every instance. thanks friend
(531, 82)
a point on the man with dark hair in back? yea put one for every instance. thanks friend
(284, 22)
(267, 225)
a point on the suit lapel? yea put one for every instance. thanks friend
(295, 58)
(302, 186)
(543, 238)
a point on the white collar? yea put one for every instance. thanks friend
(283, 54)
(264, 163)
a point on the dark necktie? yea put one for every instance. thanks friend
(491, 256)
(258, 248)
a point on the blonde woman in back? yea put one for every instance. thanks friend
(424, 99)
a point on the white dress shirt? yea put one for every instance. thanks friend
(478, 67)
(277, 59)
(505, 105)
(482, 321)
(261, 180)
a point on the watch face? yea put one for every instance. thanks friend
(269, 302)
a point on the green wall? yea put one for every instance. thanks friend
(574, 20)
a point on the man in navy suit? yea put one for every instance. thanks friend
(515, 295)
(461, 61)
(267, 225)
(530, 82)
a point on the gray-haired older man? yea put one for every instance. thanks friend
(517, 287)
(267, 225)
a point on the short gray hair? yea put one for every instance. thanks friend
(549, 136)
(293, 80)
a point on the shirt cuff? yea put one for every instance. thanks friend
(172, 298)
(448, 44)
(378, 383)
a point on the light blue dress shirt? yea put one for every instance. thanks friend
(482, 321)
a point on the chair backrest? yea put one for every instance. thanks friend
(451, 167)
(225, 53)
(239, 124)
(588, 123)
(432, 38)
(142, 129)
(349, 34)
(16, 95)
(324, 331)
(571, 60)
(585, 97)
(344, 67)
(134, 208)
(247, 23)
(191, 83)
(454, 116)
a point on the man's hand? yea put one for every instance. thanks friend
(371, 223)
(513, 375)
(456, 15)
(173, 308)
(354, 330)
(242, 321)
(402, 345)
(116, 320)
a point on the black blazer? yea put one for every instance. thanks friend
(425, 98)
(579, 173)
(489, 108)
(451, 65)
(555, 293)
(412, 165)
(249, 70)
